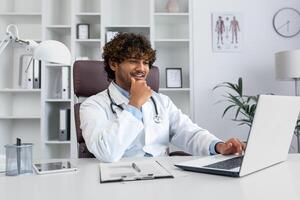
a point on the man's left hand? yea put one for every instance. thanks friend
(231, 146)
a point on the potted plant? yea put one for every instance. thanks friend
(244, 105)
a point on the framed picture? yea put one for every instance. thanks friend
(83, 31)
(227, 32)
(173, 78)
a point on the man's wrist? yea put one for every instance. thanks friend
(134, 104)
(218, 146)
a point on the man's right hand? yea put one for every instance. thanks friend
(140, 93)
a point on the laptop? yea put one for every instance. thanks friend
(268, 141)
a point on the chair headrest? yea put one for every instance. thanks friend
(90, 78)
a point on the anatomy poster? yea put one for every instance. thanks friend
(227, 32)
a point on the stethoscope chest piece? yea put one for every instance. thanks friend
(157, 119)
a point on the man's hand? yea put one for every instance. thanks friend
(140, 93)
(231, 146)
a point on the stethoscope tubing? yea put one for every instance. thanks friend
(156, 118)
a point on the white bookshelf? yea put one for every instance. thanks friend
(20, 113)
(33, 114)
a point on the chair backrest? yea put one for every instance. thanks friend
(90, 78)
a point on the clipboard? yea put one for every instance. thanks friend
(132, 171)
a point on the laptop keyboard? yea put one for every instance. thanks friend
(227, 164)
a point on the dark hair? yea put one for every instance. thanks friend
(124, 46)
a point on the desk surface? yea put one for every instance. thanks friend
(281, 181)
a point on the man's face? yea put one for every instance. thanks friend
(135, 68)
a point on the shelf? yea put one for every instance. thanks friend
(56, 65)
(58, 100)
(88, 14)
(34, 113)
(174, 89)
(57, 142)
(128, 26)
(20, 90)
(59, 26)
(21, 18)
(89, 42)
(20, 117)
(170, 14)
(21, 14)
(171, 40)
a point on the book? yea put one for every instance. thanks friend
(65, 83)
(64, 125)
(133, 171)
(26, 71)
(36, 74)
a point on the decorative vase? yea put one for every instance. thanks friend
(172, 6)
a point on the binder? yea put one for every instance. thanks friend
(36, 74)
(65, 83)
(133, 171)
(26, 71)
(64, 125)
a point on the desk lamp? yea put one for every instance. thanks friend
(287, 67)
(48, 50)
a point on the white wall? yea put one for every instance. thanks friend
(255, 63)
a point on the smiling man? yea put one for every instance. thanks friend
(119, 122)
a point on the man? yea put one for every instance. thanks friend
(119, 122)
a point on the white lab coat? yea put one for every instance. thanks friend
(110, 137)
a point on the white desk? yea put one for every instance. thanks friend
(281, 181)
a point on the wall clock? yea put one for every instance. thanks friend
(286, 22)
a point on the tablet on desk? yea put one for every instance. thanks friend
(54, 167)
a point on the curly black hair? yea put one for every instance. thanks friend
(125, 46)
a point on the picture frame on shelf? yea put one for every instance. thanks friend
(83, 31)
(174, 77)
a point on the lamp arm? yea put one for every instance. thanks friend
(12, 35)
(5, 42)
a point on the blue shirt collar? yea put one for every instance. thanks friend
(121, 90)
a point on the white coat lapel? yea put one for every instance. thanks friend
(148, 113)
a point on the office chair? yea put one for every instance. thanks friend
(90, 78)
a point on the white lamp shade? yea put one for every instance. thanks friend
(52, 51)
(287, 64)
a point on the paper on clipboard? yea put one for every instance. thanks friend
(132, 171)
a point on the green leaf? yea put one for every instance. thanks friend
(237, 112)
(244, 105)
(231, 106)
(240, 85)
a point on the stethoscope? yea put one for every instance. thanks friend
(156, 118)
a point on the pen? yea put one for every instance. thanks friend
(134, 166)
